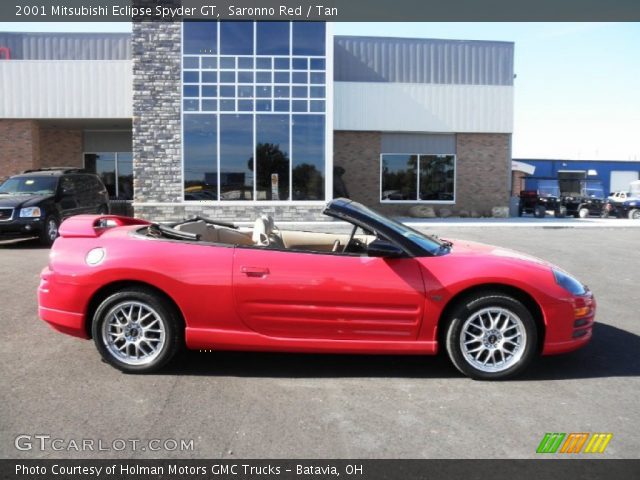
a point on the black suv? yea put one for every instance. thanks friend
(33, 203)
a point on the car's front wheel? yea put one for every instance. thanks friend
(137, 330)
(491, 336)
(634, 214)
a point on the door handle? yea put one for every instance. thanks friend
(255, 271)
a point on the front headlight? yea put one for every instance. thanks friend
(569, 283)
(30, 212)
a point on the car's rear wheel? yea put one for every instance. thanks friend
(49, 231)
(137, 330)
(583, 212)
(491, 336)
(540, 211)
(634, 214)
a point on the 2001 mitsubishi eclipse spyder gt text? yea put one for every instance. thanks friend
(143, 290)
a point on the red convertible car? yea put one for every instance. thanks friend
(143, 290)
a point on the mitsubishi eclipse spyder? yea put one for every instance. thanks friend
(144, 290)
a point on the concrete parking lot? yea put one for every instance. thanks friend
(236, 405)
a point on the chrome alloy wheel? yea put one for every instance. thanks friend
(493, 339)
(52, 229)
(133, 333)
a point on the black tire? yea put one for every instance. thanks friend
(583, 212)
(561, 212)
(540, 211)
(634, 214)
(162, 309)
(49, 231)
(464, 314)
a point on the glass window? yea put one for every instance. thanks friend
(200, 157)
(245, 77)
(299, 77)
(281, 77)
(317, 77)
(236, 157)
(245, 62)
(125, 175)
(245, 91)
(209, 91)
(281, 105)
(437, 177)
(236, 38)
(299, 92)
(191, 77)
(307, 154)
(190, 62)
(281, 63)
(263, 77)
(263, 92)
(263, 105)
(299, 105)
(263, 63)
(228, 62)
(191, 91)
(209, 62)
(104, 165)
(190, 105)
(227, 91)
(272, 38)
(281, 92)
(227, 77)
(227, 105)
(209, 105)
(317, 64)
(209, 77)
(317, 105)
(299, 63)
(200, 37)
(308, 38)
(245, 105)
(272, 157)
(399, 177)
(317, 92)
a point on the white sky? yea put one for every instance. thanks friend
(577, 91)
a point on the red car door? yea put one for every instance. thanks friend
(327, 296)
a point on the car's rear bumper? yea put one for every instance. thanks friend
(567, 331)
(53, 306)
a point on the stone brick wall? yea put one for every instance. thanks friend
(482, 176)
(19, 146)
(60, 147)
(157, 162)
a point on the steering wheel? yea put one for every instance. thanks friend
(353, 234)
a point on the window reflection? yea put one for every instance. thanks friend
(236, 38)
(399, 177)
(115, 169)
(436, 177)
(236, 157)
(272, 157)
(200, 157)
(308, 156)
(309, 38)
(272, 38)
(200, 37)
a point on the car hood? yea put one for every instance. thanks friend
(469, 248)
(21, 201)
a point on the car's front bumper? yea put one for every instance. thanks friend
(56, 305)
(21, 228)
(569, 324)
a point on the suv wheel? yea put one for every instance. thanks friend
(583, 212)
(634, 214)
(491, 336)
(540, 211)
(49, 231)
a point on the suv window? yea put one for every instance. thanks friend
(67, 186)
(31, 185)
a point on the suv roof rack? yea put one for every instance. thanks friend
(55, 169)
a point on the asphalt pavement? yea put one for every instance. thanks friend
(239, 405)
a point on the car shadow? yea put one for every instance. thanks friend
(23, 244)
(611, 353)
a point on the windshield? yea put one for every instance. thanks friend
(29, 186)
(548, 188)
(594, 190)
(428, 243)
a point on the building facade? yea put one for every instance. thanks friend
(235, 119)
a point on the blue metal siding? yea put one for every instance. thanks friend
(412, 60)
(550, 168)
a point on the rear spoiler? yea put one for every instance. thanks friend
(94, 225)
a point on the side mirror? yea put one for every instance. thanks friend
(384, 249)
